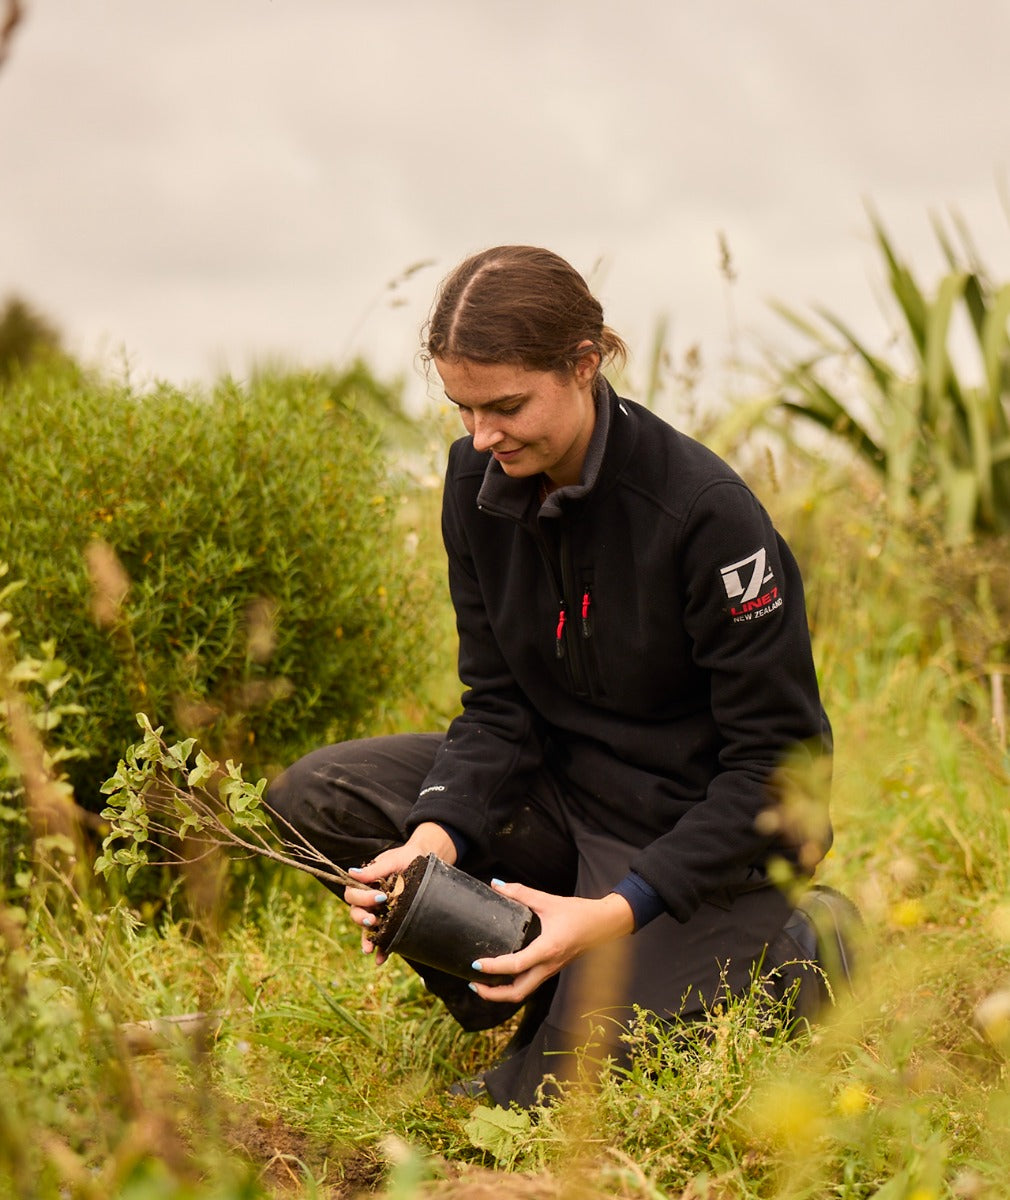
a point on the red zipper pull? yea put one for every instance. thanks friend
(586, 602)
(559, 647)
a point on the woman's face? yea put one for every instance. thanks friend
(533, 422)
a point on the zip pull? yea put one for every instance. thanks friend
(587, 627)
(559, 645)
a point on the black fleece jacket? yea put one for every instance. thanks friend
(644, 632)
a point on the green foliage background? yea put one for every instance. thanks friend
(272, 601)
(264, 542)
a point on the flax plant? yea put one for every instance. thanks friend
(939, 439)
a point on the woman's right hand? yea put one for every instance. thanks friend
(427, 838)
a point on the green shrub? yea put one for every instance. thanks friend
(36, 803)
(232, 564)
(25, 336)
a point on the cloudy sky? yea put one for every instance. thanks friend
(193, 186)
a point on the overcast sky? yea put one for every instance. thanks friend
(198, 185)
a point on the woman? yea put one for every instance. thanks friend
(640, 705)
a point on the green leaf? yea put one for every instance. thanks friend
(804, 326)
(936, 359)
(192, 821)
(47, 720)
(57, 841)
(145, 724)
(25, 671)
(995, 349)
(961, 490)
(498, 1131)
(981, 450)
(903, 445)
(9, 589)
(883, 373)
(178, 754)
(204, 770)
(53, 671)
(904, 289)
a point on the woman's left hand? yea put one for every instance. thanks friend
(570, 925)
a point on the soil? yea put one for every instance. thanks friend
(170, 1122)
(480, 1183)
(401, 890)
(279, 1151)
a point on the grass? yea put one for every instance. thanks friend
(320, 1076)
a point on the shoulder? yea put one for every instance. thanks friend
(464, 460)
(465, 470)
(668, 468)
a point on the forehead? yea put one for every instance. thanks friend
(474, 383)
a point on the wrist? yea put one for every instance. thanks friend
(431, 838)
(616, 916)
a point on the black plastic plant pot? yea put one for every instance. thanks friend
(445, 918)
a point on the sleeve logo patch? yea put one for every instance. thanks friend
(750, 587)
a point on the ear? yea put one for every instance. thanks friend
(588, 362)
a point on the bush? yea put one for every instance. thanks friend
(230, 564)
(36, 803)
(25, 336)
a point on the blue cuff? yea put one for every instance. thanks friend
(457, 839)
(646, 903)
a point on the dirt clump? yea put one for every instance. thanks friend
(401, 890)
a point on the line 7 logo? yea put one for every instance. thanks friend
(745, 579)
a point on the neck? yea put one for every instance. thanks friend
(547, 485)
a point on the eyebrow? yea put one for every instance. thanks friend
(495, 403)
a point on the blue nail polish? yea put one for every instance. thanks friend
(498, 882)
(369, 921)
(475, 966)
(380, 897)
(472, 987)
(354, 870)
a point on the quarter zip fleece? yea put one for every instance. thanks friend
(642, 632)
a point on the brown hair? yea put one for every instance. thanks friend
(520, 305)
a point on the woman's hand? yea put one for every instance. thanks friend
(570, 925)
(427, 838)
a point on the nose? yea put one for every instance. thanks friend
(485, 430)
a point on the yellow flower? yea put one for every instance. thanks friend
(789, 1113)
(852, 1100)
(906, 914)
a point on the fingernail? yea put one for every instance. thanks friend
(369, 921)
(475, 966)
(472, 987)
(497, 882)
(379, 898)
(354, 870)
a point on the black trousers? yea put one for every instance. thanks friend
(351, 800)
